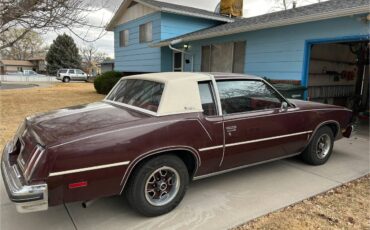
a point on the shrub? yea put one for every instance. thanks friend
(105, 82)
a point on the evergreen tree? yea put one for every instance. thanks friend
(63, 53)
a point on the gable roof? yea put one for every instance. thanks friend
(169, 8)
(16, 63)
(319, 11)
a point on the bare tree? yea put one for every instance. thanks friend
(42, 16)
(91, 56)
(30, 45)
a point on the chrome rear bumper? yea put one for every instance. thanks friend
(27, 198)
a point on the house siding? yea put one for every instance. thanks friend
(278, 53)
(173, 25)
(138, 57)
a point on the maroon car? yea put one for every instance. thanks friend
(155, 133)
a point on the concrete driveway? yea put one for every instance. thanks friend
(220, 202)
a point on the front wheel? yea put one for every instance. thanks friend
(158, 185)
(66, 79)
(319, 150)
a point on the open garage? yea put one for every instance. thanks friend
(338, 72)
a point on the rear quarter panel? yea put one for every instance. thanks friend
(131, 144)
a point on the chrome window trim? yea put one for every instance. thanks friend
(88, 168)
(282, 98)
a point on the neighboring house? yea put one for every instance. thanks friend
(39, 64)
(13, 66)
(106, 66)
(323, 46)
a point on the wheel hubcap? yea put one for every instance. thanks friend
(162, 186)
(323, 146)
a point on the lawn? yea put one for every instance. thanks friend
(16, 104)
(346, 207)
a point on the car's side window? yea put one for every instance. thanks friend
(239, 96)
(71, 71)
(207, 98)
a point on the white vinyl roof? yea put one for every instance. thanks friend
(180, 94)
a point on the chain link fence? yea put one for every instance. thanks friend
(27, 78)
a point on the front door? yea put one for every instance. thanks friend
(178, 61)
(256, 128)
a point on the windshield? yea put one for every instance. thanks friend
(140, 93)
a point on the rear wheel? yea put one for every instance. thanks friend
(319, 150)
(66, 79)
(158, 185)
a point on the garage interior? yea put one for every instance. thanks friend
(339, 75)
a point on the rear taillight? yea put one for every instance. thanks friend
(33, 161)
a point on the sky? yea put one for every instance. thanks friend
(107, 9)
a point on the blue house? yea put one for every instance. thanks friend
(323, 46)
(139, 24)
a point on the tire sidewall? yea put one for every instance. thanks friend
(66, 79)
(137, 198)
(312, 150)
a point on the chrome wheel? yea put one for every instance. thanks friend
(323, 146)
(162, 186)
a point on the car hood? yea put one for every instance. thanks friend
(75, 122)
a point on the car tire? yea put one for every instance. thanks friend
(158, 185)
(66, 79)
(320, 148)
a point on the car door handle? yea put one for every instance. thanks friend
(231, 128)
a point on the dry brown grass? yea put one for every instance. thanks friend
(16, 104)
(346, 207)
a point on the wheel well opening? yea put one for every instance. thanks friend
(333, 128)
(186, 156)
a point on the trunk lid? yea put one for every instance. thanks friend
(80, 121)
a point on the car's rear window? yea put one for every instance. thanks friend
(140, 93)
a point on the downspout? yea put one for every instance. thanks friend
(177, 41)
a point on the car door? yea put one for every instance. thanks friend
(256, 127)
(72, 74)
(211, 149)
(81, 75)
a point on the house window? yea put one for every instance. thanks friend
(146, 32)
(123, 38)
(224, 57)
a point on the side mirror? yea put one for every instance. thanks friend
(284, 106)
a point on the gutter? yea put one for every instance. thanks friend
(267, 25)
